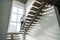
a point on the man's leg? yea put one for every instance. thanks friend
(21, 26)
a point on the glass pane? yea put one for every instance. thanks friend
(20, 11)
(13, 17)
(12, 27)
(19, 16)
(18, 27)
(14, 9)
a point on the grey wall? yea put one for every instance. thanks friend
(5, 9)
(47, 27)
(29, 4)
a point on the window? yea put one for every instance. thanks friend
(16, 14)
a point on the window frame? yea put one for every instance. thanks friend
(16, 17)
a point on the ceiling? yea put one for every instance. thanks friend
(53, 2)
(23, 1)
(49, 1)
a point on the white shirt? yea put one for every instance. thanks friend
(22, 18)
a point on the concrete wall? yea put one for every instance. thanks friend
(29, 5)
(47, 27)
(5, 9)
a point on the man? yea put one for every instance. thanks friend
(22, 20)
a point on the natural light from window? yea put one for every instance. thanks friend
(16, 14)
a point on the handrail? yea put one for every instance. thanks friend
(42, 5)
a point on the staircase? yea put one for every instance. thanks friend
(37, 9)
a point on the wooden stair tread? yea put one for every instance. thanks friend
(36, 4)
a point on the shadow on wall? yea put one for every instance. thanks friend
(47, 28)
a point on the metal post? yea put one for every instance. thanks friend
(12, 37)
(24, 36)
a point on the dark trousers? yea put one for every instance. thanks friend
(22, 24)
